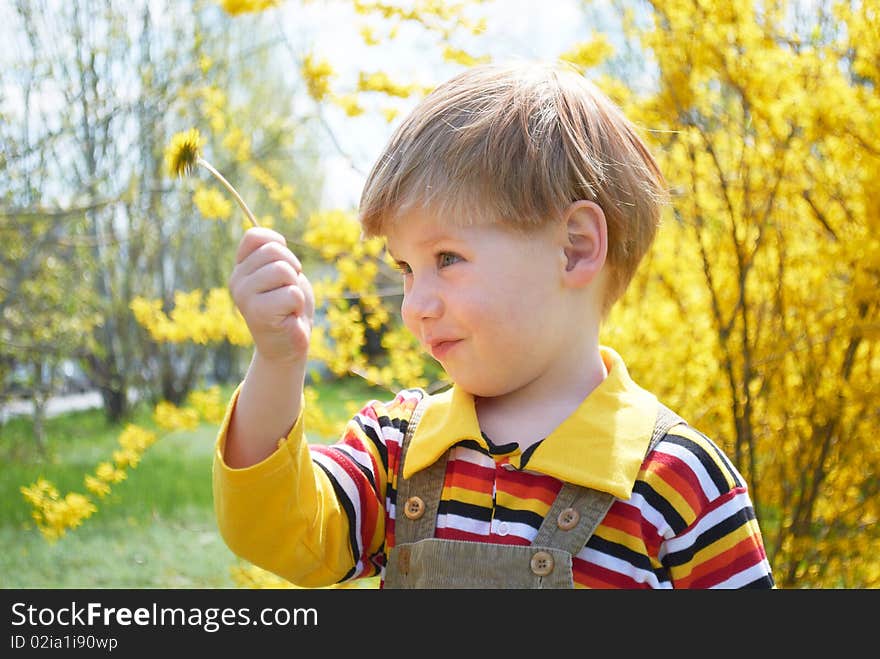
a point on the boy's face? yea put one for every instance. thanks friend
(485, 301)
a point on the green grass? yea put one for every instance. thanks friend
(156, 529)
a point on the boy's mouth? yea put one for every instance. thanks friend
(441, 347)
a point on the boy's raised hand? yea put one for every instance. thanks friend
(274, 296)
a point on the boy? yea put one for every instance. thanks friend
(517, 202)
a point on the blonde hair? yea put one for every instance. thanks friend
(517, 143)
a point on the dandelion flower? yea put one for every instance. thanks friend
(183, 152)
(182, 155)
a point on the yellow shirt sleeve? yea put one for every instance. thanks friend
(281, 514)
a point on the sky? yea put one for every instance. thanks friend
(515, 29)
(537, 29)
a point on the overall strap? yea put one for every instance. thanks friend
(666, 420)
(418, 497)
(573, 517)
(577, 511)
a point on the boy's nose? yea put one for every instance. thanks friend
(420, 302)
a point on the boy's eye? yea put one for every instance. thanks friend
(447, 258)
(403, 267)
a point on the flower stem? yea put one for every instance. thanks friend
(247, 211)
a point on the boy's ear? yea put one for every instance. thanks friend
(585, 242)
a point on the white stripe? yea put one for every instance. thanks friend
(707, 521)
(348, 486)
(470, 456)
(692, 461)
(464, 524)
(517, 529)
(745, 577)
(363, 458)
(619, 566)
(369, 422)
(391, 435)
(650, 514)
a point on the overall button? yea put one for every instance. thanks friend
(414, 508)
(568, 519)
(503, 528)
(542, 563)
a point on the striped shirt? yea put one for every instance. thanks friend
(682, 517)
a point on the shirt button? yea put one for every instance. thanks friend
(542, 563)
(414, 508)
(503, 528)
(568, 519)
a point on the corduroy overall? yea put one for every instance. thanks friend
(419, 560)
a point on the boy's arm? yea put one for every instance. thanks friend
(272, 506)
(714, 540)
(269, 403)
(276, 301)
(282, 514)
(313, 514)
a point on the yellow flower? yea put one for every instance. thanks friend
(109, 474)
(235, 7)
(182, 153)
(97, 486)
(126, 458)
(170, 417)
(317, 75)
(212, 204)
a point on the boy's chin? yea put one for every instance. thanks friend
(477, 387)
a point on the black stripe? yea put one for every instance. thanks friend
(391, 494)
(725, 461)
(473, 445)
(524, 459)
(620, 551)
(705, 459)
(378, 443)
(499, 449)
(478, 513)
(348, 458)
(347, 505)
(519, 516)
(670, 515)
(713, 534)
(761, 583)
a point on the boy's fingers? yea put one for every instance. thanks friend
(272, 275)
(268, 252)
(280, 302)
(255, 237)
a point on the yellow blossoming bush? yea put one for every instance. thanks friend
(55, 514)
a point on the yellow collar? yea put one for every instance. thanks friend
(601, 445)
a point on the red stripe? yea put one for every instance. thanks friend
(588, 575)
(628, 519)
(471, 484)
(681, 478)
(470, 470)
(529, 486)
(738, 558)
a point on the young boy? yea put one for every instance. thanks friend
(517, 202)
